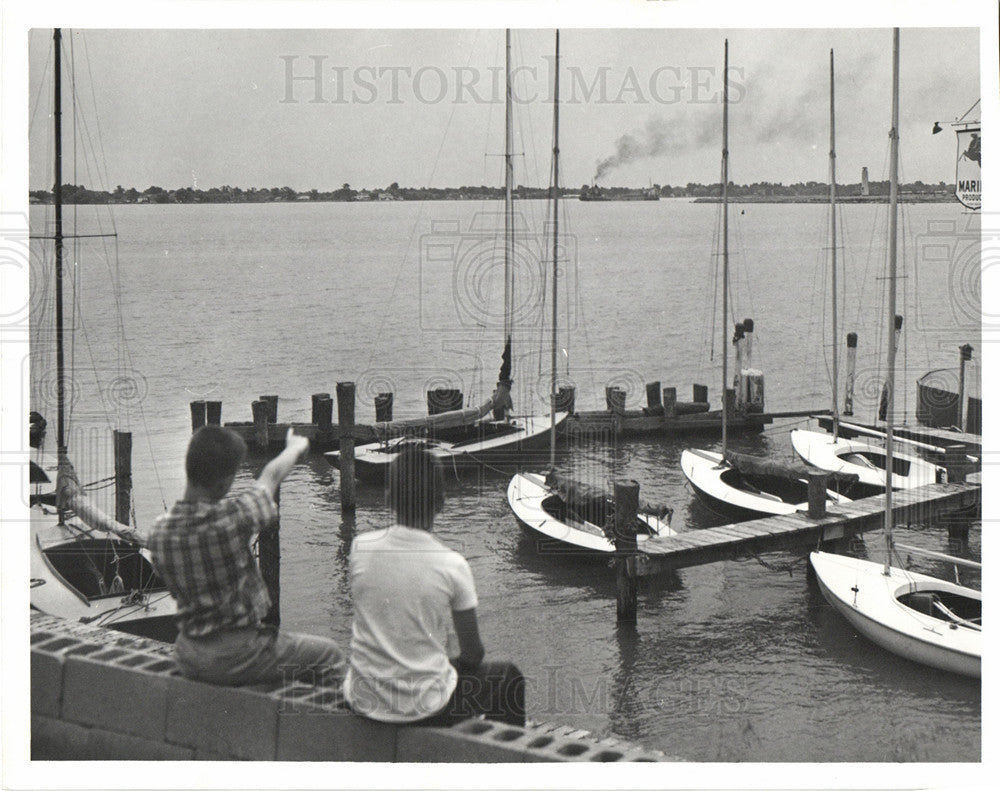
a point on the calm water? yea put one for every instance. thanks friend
(733, 661)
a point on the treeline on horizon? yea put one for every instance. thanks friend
(79, 194)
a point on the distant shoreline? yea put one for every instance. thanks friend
(812, 192)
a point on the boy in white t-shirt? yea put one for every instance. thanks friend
(408, 590)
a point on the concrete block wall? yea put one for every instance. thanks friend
(97, 694)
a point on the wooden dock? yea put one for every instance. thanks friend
(731, 542)
(932, 436)
(634, 423)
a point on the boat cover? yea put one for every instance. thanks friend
(757, 465)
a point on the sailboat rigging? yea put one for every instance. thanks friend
(463, 437)
(84, 565)
(738, 484)
(919, 617)
(571, 515)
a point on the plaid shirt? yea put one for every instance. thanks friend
(202, 552)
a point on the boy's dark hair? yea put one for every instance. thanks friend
(213, 454)
(416, 486)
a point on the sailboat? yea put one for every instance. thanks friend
(739, 484)
(92, 571)
(548, 505)
(863, 456)
(927, 620)
(462, 437)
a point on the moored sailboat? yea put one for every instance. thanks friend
(741, 486)
(921, 618)
(573, 516)
(84, 565)
(463, 437)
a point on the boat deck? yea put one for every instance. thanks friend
(729, 542)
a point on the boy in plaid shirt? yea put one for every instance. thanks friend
(201, 549)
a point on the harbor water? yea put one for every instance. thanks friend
(734, 661)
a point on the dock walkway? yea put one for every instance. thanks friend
(728, 542)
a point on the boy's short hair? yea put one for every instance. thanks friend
(213, 455)
(416, 486)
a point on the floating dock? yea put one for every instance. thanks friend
(798, 531)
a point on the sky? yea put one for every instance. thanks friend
(424, 108)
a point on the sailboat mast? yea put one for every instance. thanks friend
(725, 244)
(508, 210)
(890, 335)
(57, 196)
(555, 256)
(833, 248)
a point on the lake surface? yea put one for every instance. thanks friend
(736, 661)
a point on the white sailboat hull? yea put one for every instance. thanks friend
(865, 458)
(869, 600)
(527, 494)
(708, 475)
(372, 460)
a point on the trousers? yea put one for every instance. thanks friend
(494, 689)
(259, 654)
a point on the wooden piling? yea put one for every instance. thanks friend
(272, 407)
(197, 415)
(444, 399)
(316, 408)
(955, 462)
(322, 413)
(345, 421)
(670, 401)
(566, 399)
(213, 413)
(964, 355)
(730, 402)
(123, 476)
(626, 549)
(261, 415)
(653, 395)
(817, 493)
(269, 561)
(615, 399)
(699, 394)
(383, 407)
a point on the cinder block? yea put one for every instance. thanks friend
(55, 740)
(106, 745)
(104, 690)
(415, 744)
(337, 735)
(228, 721)
(46, 683)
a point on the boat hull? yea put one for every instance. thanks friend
(527, 495)
(372, 460)
(864, 458)
(869, 600)
(708, 476)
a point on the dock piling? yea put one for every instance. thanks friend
(213, 413)
(322, 414)
(955, 462)
(345, 421)
(383, 407)
(817, 493)
(653, 400)
(123, 476)
(699, 394)
(670, 401)
(566, 399)
(269, 561)
(272, 407)
(964, 355)
(261, 414)
(197, 415)
(615, 398)
(626, 549)
(729, 403)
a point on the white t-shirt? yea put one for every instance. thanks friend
(405, 585)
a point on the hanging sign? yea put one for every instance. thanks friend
(968, 170)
